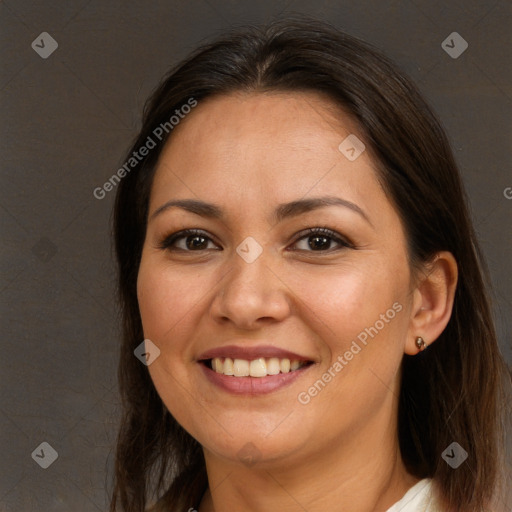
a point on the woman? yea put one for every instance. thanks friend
(300, 278)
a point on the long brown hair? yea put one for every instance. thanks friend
(450, 392)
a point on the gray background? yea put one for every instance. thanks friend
(66, 123)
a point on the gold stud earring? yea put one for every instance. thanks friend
(420, 343)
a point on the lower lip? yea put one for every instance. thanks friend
(252, 385)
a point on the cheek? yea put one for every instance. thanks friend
(165, 299)
(360, 317)
(360, 358)
(166, 304)
(343, 302)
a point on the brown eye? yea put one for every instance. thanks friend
(190, 240)
(321, 240)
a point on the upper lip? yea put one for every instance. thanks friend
(251, 353)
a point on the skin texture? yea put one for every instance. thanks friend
(248, 153)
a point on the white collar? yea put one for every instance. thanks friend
(417, 499)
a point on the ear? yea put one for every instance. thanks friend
(432, 300)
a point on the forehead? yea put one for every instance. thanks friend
(242, 122)
(272, 146)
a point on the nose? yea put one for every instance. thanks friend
(251, 294)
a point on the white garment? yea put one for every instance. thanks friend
(418, 498)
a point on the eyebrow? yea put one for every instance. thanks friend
(282, 212)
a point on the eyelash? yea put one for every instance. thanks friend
(168, 241)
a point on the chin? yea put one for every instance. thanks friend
(254, 449)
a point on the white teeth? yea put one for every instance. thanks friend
(260, 367)
(217, 365)
(273, 366)
(228, 366)
(240, 368)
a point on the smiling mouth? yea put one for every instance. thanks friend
(261, 367)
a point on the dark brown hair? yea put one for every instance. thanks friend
(451, 391)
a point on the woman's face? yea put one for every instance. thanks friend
(257, 284)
